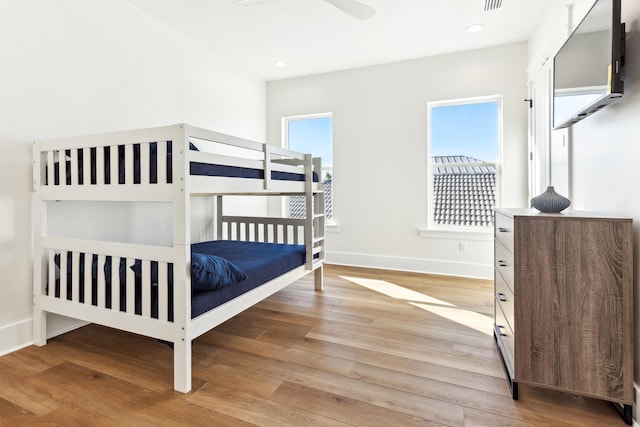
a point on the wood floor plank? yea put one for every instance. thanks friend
(404, 315)
(375, 348)
(72, 415)
(320, 312)
(400, 312)
(147, 375)
(119, 401)
(241, 329)
(437, 334)
(408, 351)
(259, 385)
(465, 396)
(397, 400)
(299, 357)
(417, 337)
(29, 360)
(29, 393)
(12, 414)
(396, 295)
(69, 384)
(253, 409)
(477, 418)
(343, 408)
(453, 375)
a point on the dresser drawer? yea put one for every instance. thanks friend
(504, 263)
(504, 230)
(504, 298)
(505, 336)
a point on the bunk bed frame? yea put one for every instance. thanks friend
(62, 173)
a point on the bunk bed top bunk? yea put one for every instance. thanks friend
(141, 164)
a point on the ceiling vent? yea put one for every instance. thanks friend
(492, 5)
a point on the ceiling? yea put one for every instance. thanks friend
(314, 37)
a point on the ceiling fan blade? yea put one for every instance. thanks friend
(353, 8)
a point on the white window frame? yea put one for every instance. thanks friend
(331, 224)
(448, 231)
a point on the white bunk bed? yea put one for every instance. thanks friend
(149, 291)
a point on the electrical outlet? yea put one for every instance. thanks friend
(462, 246)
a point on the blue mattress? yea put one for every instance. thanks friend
(261, 262)
(206, 169)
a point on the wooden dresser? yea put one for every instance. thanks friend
(564, 302)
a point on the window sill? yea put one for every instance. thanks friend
(456, 234)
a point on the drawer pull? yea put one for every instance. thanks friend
(502, 263)
(501, 297)
(501, 333)
(502, 230)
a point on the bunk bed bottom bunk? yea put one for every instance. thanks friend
(268, 267)
(221, 270)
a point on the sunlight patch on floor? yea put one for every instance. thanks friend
(395, 291)
(468, 318)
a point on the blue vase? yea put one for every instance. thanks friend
(550, 201)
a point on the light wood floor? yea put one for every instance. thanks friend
(374, 348)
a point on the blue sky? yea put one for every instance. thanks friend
(312, 136)
(466, 129)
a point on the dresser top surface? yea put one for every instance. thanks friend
(569, 214)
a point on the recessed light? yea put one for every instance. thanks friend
(475, 28)
(280, 63)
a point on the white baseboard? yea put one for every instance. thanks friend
(16, 336)
(416, 265)
(19, 335)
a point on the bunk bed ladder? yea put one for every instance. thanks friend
(315, 219)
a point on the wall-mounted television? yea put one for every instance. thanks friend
(587, 68)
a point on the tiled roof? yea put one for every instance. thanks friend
(444, 167)
(297, 204)
(463, 195)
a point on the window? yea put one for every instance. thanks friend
(464, 150)
(312, 134)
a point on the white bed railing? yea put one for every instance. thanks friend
(254, 229)
(71, 280)
(153, 158)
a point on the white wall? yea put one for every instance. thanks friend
(72, 67)
(605, 147)
(380, 152)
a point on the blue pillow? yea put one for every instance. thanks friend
(209, 272)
